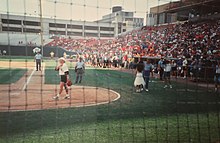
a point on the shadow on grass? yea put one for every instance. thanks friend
(158, 102)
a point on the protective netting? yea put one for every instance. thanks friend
(137, 76)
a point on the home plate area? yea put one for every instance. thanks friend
(40, 99)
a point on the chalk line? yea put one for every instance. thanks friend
(28, 80)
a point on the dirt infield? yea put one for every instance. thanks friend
(30, 93)
(13, 64)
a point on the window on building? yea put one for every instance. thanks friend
(91, 34)
(57, 25)
(31, 23)
(70, 26)
(128, 19)
(11, 21)
(106, 28)
(30, 30)
(106, 35)
(57, 32)
(126, 13)
(91, 28)
(124, 30)
(12, 29)
(70, 33)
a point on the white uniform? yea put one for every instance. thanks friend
(217, 70)
(38, 56)
(63, 69)
(185, 62)
(167, 68)
(139, 80)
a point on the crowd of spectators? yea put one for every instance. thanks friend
(198, 44)
(183, 40)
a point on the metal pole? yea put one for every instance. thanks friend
(41, 31)
(158, 4)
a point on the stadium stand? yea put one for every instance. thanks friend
(22, 39)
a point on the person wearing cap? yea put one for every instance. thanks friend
(38, 58)
(64, 77)
(51, 54)
(79, 69)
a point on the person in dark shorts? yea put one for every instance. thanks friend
(64, 77)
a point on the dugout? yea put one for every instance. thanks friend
(28, 50)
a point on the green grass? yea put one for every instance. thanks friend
(17, 58)
(156, 116)
(11, 75)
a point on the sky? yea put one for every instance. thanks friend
(88, 10)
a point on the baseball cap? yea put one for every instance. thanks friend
(62, 58)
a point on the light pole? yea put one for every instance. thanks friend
(41, 31)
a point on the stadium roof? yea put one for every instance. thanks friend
(185, 6)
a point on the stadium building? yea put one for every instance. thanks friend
(17, 26)
(123, 20)
(183, 10)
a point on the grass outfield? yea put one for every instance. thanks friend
(17, 58)
(11, 75)
(160, 115)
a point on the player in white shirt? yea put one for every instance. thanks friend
(64, 77)
(167, 71)
(79, 69)
(185, 68)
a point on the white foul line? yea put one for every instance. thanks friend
(28, 80)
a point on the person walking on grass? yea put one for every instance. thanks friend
(147, 70)
(38, 59)
(64, 77)
(79, 69)
(139, 82)
(167, 71)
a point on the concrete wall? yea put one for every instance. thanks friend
(28, 51)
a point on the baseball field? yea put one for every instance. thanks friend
(103, 108)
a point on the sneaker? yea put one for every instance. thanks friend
(142, 89)
(165, 86)
(171, 86)
(56, 97)
(146, 90)
(67, 97)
